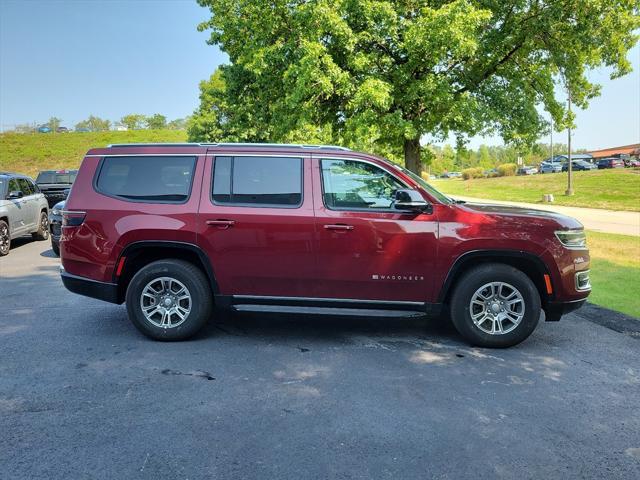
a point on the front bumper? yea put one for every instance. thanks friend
(555, 310)
(90, 288)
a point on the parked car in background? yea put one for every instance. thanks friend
(55, 184)
(23, 210)
(173, 230)
(527, 170)
(550, 167)
(62, 130)
(44, 129)
(451, 175)
(55, 226)
(578, 165)
(610, 163)
(82, 130)
(631, 162)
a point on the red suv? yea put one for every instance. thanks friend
(176, 229)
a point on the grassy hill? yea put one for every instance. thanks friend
(615, 189)
(30, 153)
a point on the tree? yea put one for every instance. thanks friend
(94, 124)
(156, 122)
(381, 74)
(178, 124)
(54, 123)
(133, 121)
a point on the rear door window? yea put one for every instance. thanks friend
(257, 181)
(160, 179)
(25, 187)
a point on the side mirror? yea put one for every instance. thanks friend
(15, 194)
(407, 200)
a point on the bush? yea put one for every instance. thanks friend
(476, 172)
(507, 169)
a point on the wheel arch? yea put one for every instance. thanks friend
(138, 254)
(528, 263)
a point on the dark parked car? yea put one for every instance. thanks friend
(174, 230)
(579, 165)
(55, 184)
(55, 225)
(62, 130)
(610, 163)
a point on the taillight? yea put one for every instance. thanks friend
(72, 218)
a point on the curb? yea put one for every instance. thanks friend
(611, 319)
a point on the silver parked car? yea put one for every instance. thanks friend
(23, 210)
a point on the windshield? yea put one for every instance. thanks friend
(56, 177)
(441, 197)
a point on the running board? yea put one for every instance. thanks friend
(345, 312)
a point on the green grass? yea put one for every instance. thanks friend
(615, 189)
(615, 271)
(30, 153)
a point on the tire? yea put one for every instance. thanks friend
(43, 227)
(516, 321)
(153, 280)
(5, 239)
(55, 247)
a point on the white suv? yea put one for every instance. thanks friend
(23, 210)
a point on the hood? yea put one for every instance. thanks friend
(528, 216)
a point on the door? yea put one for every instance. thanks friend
(16, 208)
(31, 204)
(366, 250)
(256, 224)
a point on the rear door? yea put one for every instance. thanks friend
(30, 204)
(366, 249)
(16, 208)
(256, 223)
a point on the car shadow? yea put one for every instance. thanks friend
(48, 254)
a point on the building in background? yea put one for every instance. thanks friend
(625, 152)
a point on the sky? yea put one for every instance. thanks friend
(75, 58)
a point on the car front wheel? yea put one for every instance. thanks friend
(5, 238)
(169, 300)
(495, 305)
(43, 227)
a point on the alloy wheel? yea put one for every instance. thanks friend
(165, 302)
(497, 308)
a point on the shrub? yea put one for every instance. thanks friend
(476, 172)
(507, 169)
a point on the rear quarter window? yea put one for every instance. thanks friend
(162, 179)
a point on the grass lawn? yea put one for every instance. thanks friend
(614, 189)
(615, 271)
(30, 153)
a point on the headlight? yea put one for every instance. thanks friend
(574, 239)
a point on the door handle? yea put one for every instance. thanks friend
(339, 226)
(224, 224)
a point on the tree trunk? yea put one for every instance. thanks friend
(412, 155)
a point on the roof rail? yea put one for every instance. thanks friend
(267, 145)
(222, 144)
(184, 144)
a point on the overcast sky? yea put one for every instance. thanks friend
(71, 59)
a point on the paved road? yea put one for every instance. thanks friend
(83, 395)
(608, 221)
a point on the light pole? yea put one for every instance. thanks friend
(569, 190)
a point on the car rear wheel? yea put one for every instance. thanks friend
(43, 227)
(169, 300)
(495, 306)
(5, 238)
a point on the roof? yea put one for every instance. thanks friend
(633, 149)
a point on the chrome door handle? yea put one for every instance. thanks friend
(338, 226)
(221, 223)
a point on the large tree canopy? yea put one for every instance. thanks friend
(378, 75)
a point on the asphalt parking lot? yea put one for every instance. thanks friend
(84, 395)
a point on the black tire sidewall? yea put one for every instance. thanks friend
(4, 224)
(193, 279)
(41, 234)
(467, 286)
